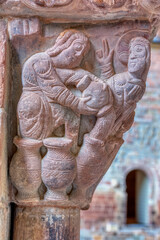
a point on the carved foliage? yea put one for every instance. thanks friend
(152, 6)
(109, 3)
(46, 4)
(48, 109)
(101, 5)
(52, 3)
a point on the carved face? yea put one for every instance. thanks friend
(137, 58)
(70, 57)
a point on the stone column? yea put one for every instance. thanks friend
(77, 70)
(4, 68)
(46, 222)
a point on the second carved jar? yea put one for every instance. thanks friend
(58, 168)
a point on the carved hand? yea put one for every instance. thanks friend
(84, 83)
(104, 55)
(84, 109)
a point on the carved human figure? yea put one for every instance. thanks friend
(105, 138)
(47, 103)
(44, 86)
(129, 87)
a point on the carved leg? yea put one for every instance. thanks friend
(103, 126)
(72, 125)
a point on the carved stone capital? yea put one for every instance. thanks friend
(77, 113)
(77, 70)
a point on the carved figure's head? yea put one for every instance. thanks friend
(70, 48)
(139, 56)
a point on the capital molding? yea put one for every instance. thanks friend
(82, 10)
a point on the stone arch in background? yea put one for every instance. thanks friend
(144, 186)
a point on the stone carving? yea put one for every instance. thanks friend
(52, 3)
(105, 4)
(24, 27)
(57, 92)
(3, 70)
(2, 1)
(122, 48)
(97, 152)
(46, 77)
(109, 3)
(152, 6)
(58, 168)
(40, 4)
(25, 168)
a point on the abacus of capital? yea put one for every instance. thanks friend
(71, 74)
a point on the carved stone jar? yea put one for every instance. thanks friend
(25, 168)
(58, 168)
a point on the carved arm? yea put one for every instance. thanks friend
(56, 91)
(79, 78)
(105, 57)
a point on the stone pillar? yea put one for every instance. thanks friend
(42, 222)
(4, 68)
(77, 70)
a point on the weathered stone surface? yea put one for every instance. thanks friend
(4, 198)
(4, 222)
(3, 64)
(47, 4)
(81, 10)
(151, 6)
(44, 223)
(25, 169)
(145, 133)
(89, 109)
(24, 27)
(76, 96)
(3, 158)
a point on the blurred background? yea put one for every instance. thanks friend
(126, 204)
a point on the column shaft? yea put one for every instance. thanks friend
(47, 223)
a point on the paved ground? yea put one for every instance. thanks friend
(128, 233)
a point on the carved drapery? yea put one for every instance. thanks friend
(74, 87)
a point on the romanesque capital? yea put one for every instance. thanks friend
(72, 73)
(75, 113)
